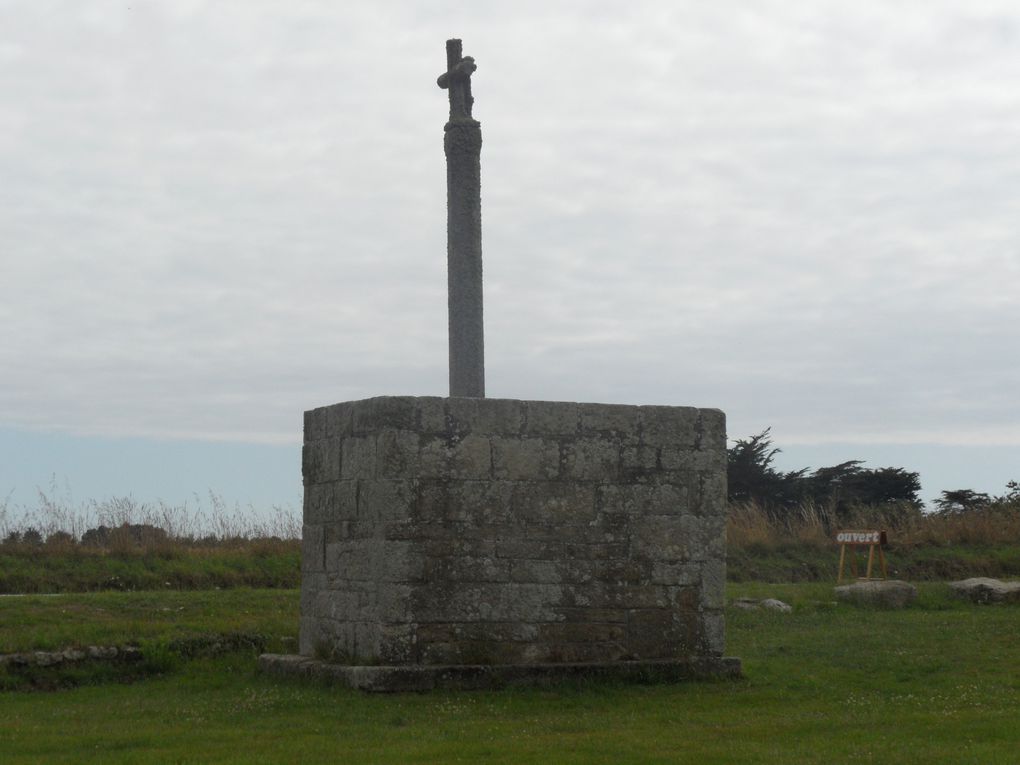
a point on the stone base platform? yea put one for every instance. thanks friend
(391, 679)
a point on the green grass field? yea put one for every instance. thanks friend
(937, 683)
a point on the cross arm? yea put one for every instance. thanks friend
(461, 70)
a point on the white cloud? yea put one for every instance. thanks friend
(216, 215)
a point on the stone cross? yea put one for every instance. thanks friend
(463, 145)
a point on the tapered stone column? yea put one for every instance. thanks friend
(463, 145)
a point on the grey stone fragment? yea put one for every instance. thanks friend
(766, 604)
(883, 593)
(986, 590)
(747, 604)
(47, 658)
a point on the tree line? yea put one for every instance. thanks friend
(753, 478)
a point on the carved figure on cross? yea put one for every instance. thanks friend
(457, 80)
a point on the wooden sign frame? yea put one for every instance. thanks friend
(853, 539)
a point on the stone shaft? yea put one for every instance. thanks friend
(463, 146)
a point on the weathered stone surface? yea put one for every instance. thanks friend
(884, 593)
(985, 590)
(70, 655)
(465, 531)
(463, 144)
(392, 679)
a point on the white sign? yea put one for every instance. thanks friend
(858, 537)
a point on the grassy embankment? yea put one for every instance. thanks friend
(827, 683)
(120, 544)
(797, 548)
(921, 547)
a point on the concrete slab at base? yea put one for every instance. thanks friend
(392, 679)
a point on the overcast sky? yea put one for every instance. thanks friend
(215, 215)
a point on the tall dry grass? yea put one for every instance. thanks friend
(749, 526)
(59, 520)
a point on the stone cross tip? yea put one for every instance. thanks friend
(457, 80)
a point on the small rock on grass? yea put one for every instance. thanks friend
(981, 589)
(883, 593)
(769, 604)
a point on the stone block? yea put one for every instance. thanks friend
(670, 425)
(471, 459)
(551, 419)
(313, 549)
(712, 427)
(484, 503)
(396, 454)
(339, 420)
(357, 457)
(639, 461)
(484, 416)
(713, 633)
(432, 416)
(634, 500)
(662, 537)
(320, 461)
(552, 503)
(467, 568)
(317, 503)
(610, 421)
(385, 413)
(467, 458)
(507, 532)
(522, 459)
(315, 425)
(713, 582)
(386, 500)
(591, 459)
(537, 571)
(576, 632)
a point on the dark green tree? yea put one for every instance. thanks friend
(956, 501)
(752, 478)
